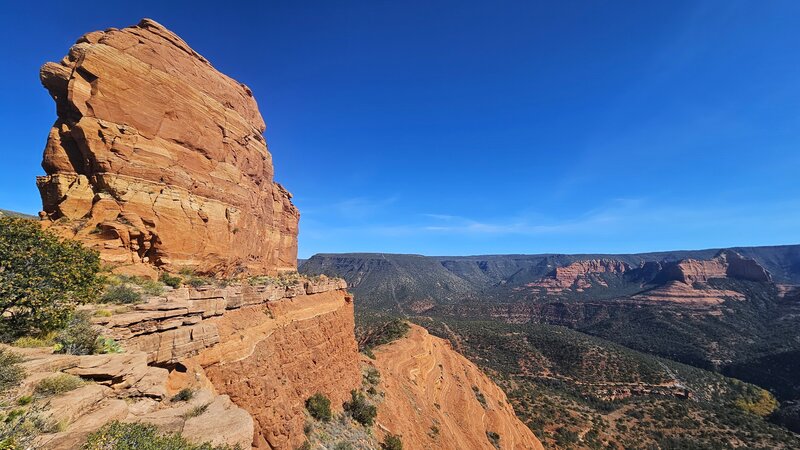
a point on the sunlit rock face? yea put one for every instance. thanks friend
(157, 159)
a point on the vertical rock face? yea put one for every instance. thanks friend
(156, 158)
(266, 348)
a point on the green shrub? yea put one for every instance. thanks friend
(10, 371)
(361, 410)
(494, 438)
(121, 293)
(372, 376)
(199, 281)
(57, 384)
(106, 345)
(383, 333)
(24, 400)
(343, 446)
(392, 442)
(196, 411)
(151, 287)
(479, 396)
(42, 278)
(170, 280)
(184, 395)
(79, 337)
(35, 341)
(103, 313)
(138, 436)
(319, 406)
(22, 426)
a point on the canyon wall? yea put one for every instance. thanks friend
(157, 159)
(268, 348)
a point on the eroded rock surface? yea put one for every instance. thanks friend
(580, 275)
(436, 398)
(266, 347)
(156, 158)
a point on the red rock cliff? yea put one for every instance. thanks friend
(157, 158)
(267, 348)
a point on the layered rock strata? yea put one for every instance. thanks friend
(124, 387)
(436, 398)
(156, 158)
(726, 264)
(579, 275)
(267, 347)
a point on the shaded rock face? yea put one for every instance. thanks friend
(156, 158)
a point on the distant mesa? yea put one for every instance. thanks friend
(727, 264)
(158, 160)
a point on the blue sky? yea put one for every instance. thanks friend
(449, 128)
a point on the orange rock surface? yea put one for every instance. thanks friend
(156, 158)
(270, 361)
(578, 275)
(428, 384)
(266, 347)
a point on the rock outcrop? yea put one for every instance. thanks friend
(156, 158)
(579, 275)
(251, 354)
(124, 387)
(436, 398)
(267, 347)
(726, 264)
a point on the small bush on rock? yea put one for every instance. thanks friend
(35, 341)
(121, 293)
(361, 410)
(184, 395)
(319, 406)
(151, 287)
(57, 384)
(494, 438)
(42, 278)
(19, 429)
(10, 371)
(392, 442)
(372, 376)
(129, 436)
(79, 337)
(170, 280)
(197, 411)
(105, 345)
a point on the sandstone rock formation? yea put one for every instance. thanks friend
(156, 158)
(267, 347)
(251, 354)
(123, 387)
(436, 398)
(726, 264)
(579, 275)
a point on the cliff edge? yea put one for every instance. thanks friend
(157, 159)
(436, 398)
